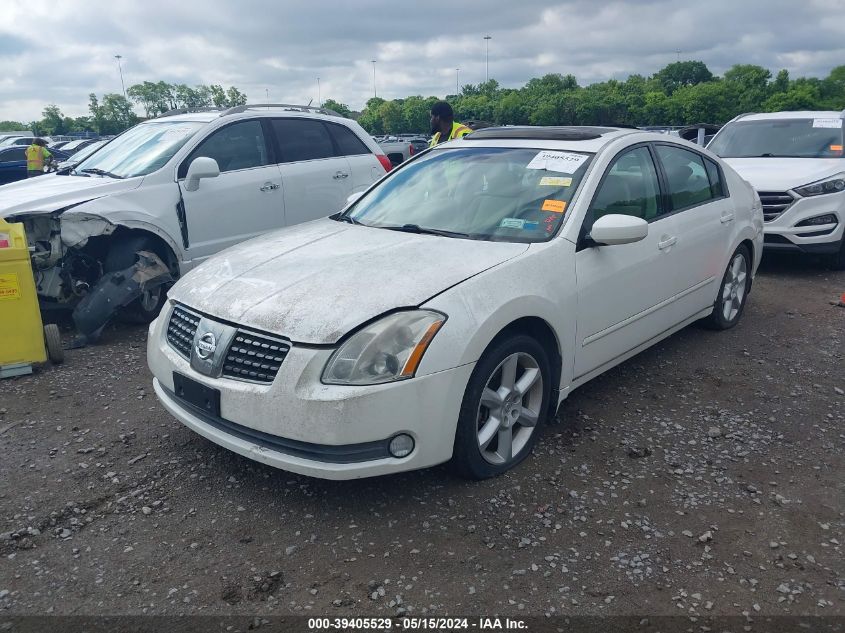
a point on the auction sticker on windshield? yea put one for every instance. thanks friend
(555, 181)
(832, 123)
(555, 206)
(564, 162)
(175, 134)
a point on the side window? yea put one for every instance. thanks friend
(689, 184)
(15, 154)
(237, 146)
(302, 139)
(629, 187)
(347, 143)
(717, 189)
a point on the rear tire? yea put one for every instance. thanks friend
(53, 343)
(733, 292)
(121, 256)
(505, 405)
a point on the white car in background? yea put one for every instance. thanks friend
(446, 313)
(180, 188)
(795, 160)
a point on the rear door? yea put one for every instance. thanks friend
(364, 167)
(316, 180)
(705, 219)
(245, 200)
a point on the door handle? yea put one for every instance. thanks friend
(269, 186)
(669, 241)
(340, 175)
(726, 217)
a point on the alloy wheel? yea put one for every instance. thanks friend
(510, 408)
(733, 292)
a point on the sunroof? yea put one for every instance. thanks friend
(540, 133)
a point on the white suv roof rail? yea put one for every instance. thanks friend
(176, 111)
(280, 106)
(739, 116)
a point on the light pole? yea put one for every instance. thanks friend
(319, 100)
(487, 39)
(120, 69)
(374, 79)
(457, 83)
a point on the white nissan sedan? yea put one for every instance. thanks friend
(446, 313)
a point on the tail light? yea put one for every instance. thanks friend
(385, 162)
(411, 150)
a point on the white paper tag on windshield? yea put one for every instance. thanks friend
(563, 162)
(834, 123)
(174, 134)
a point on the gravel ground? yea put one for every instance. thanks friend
(704, 476)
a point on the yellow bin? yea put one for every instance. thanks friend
(23, 339)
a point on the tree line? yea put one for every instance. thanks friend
(114, 113)
(682, 93)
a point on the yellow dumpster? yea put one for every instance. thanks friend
(23, 339)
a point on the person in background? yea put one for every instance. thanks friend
(443, 126)
(36, 155)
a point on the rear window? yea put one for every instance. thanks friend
(820, 137)
(347, 143)
(302, 139)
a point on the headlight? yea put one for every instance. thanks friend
(387, 350)
(834, 184)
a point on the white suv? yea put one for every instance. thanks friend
(179, 188)
(796, 163)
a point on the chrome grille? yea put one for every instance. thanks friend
(254, 357)
(181, 330)
(774, 203)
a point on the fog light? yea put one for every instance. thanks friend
(818, 220)
(401, 445)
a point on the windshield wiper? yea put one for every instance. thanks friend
(101, 172)
(416, 228)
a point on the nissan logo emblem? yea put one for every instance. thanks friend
(206, 345)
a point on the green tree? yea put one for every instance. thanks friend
(678, 74)
(53, 121)
(341, 108)
(235, 97)
(390, 113)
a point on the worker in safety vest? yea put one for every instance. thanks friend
(36, 155)
(443, 126)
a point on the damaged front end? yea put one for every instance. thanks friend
(78, 265)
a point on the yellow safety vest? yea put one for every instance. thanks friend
(35, 156)
(458, 130)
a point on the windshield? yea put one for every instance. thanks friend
(501, 194)
(140, 150)
(780, 138)
(86, 151)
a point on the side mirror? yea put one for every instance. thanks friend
(200, 167)
(618, 229)
(353, 197)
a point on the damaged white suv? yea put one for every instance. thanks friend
(170, 192)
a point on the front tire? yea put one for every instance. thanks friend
(733, 292)
(836, 261)
(505, 404)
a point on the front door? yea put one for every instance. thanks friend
(624, 290)
(245, 200)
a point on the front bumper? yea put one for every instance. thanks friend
(298, 424)
(783, 234)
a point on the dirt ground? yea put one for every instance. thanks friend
(704, 476)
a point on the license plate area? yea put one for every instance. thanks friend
(207, 399)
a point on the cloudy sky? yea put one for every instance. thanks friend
(54, 51)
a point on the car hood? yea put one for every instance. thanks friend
(315, 282)
(780, 174)
(51, 192)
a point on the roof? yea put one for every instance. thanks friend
(574, 138)
(798, 114)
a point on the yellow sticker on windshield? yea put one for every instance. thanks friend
(835, 148)
(555, 181)
(555, 206)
